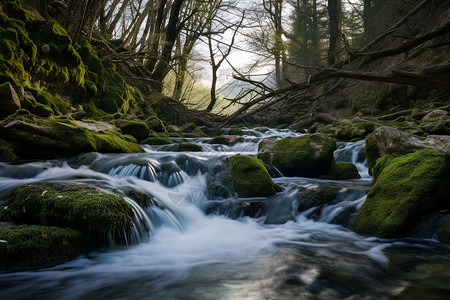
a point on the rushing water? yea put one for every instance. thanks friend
(193, 244)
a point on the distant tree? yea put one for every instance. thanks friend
(335, 25)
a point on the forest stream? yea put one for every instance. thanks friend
(191, 244)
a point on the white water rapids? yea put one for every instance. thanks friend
(180, 252)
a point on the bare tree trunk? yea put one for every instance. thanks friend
(162, 66)
(335, 14)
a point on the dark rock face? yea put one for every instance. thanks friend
(9, 100)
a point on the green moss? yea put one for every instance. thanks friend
(354, 131)
(315, 197)
(188, 127)
(199, 133)
(408, 188)
(43, 110)
(343, 171)
(156, 140)
(250, 177)
(31, 246)
(92, 110)
(155, 124)
(307, 156)
(58, 105)
(396, 95)
(137, 129)
(382, 163)
(75, 206)
(84, 140)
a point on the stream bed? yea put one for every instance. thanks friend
(191, 244)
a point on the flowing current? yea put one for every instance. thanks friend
(195, 240)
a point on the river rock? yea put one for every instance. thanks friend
(389, 140)
(228, 140)
(32, 246)
(342, 171)
(77, 206)
(408, 188)
(9, 100)
(51, 138)
(316, 197)
(305, 156)
(135, 128)
(250, 178)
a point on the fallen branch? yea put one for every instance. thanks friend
(394, 76)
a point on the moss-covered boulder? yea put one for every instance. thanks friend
(228, 140)
(409, 187)
(306, 156)
(32, 246)
(316, 197)
(155, 124)
(137, 129)
(188, 128)
(50, 138)
(250, 178)
(343, 171)
(185, 147)
(156, 140)
(77, 206)
(354, 130)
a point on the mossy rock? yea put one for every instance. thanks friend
(444, 233)
(306, 156)
(382, 163)
(135, 128)
(155, 124)
(228, 140)
(250, 177)
(173, 129)
(32, 246)
(156, 140)
(188, 128)
(43, 110)
(199, 133)
(352, 131)
(77, 206)
(184, 146)
(342, 171)
(408, 188)
(316, 197)
(62, 138)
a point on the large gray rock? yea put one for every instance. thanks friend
(389, 140)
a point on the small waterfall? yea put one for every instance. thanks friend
(353, 152)
(145, 172)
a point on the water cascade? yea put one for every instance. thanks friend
(190, 243)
